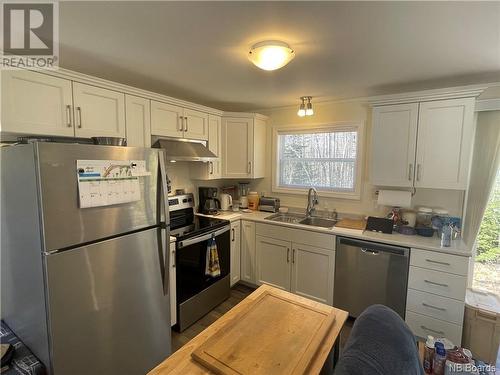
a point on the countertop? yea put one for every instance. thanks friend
(181, 361)
(458, 247)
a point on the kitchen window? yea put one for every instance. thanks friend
(326, 158)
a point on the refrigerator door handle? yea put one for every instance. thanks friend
(164, 228)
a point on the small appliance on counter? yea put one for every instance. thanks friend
(209, 204)
(226, 202)
(269, 204)
(243, 187)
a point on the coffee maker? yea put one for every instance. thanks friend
(209, 204)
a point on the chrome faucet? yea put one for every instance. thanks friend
(312, 200)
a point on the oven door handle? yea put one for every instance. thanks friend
(199, 239)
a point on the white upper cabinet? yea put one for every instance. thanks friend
(426, 145)
(445, 132)
(195, 124)
(138, 121)
(313, 273)
(212, 169)
(173, 121)
(34, 103)
(98, 111)
(166, 119)
(243, 147)
(394, 133)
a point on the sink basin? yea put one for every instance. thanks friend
(286, 218)
(318, 222)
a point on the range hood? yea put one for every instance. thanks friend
(185, 150)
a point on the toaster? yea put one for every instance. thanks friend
(269, 204)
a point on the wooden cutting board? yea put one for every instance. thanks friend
(351, 224)
(272, 335)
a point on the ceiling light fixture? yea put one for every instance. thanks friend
(271, 54)
(305, 109)
(302, 109)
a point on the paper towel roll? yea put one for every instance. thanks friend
(394, 198)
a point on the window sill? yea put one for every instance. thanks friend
(321, 193)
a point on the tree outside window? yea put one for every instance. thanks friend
(487, 262)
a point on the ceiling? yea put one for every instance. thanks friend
(197, 51)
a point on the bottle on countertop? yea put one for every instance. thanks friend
(439, 359)
(446, 232)
(428, 354)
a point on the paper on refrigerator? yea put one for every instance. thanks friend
(108, 182)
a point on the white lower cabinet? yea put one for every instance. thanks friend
(273, 262)
(247, 251)
(312, 273)
(283, 261)
(235, 252)
(436, 294)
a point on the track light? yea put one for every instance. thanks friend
(305, 109)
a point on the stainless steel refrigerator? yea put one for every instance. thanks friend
(86, 289)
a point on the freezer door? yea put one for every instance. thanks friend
(108, 312)
(65, 224)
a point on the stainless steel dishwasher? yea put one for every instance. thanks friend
(368, 273)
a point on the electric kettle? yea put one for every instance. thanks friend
(226, 202)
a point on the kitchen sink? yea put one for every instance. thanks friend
(286, 218)
(318, 222)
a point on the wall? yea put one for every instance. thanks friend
(344, 112)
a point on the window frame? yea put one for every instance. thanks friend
(320, 128)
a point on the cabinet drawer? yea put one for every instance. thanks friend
(436, 282)
(306, 237)
(440, 262)
(422, 325)
(447, 309)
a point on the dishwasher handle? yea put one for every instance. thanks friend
(373, 247)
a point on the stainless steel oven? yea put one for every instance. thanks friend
(198, 293)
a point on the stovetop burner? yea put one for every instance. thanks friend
(184, 224)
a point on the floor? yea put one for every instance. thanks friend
(238, 293)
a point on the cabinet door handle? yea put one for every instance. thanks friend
(68, 116)
(410, 172)
(186, 127)
(181, 123)
(173, 258)
(211, 164)
(79, 111)
(293, 255)
(432, 330)
(435, 283)
(249, 167)
(437, 262)
(232, 230)
(288, 255)
(433, 307)
(418, 172)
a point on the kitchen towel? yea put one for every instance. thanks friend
(212, 266)
(394, 198)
